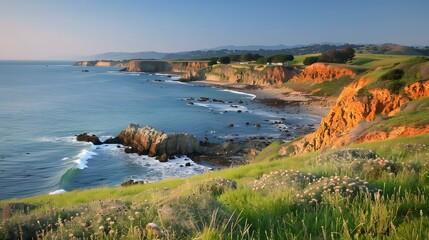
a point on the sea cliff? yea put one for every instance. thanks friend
(189, 70)
(102, 63)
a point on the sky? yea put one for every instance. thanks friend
(52, 29)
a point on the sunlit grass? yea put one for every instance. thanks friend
(202, 208)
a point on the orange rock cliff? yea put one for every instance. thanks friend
(350, 109)
(319, 72)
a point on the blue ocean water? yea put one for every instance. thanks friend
(43, 105)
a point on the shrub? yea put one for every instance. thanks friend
(224, 60)
(394, 74)
(310, 60)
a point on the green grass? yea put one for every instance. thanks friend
(191, 209)
(331, 88)
(412, 73)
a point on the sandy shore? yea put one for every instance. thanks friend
(295, 102)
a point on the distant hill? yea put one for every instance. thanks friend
(393, 49)
(263, 50)
(297, 50)
(253, 47)
(118, 56)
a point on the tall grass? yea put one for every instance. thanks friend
(287, 207)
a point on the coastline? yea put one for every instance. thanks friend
(280, 98)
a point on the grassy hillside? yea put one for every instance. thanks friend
(302, 197)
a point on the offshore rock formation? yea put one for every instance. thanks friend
(149, 141)
(350, 109)
(262, 76)
(319, 72)
(190, 70)
(84, 137)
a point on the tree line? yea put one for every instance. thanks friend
(332, 56)
(250, 57)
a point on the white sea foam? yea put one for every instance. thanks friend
(68, 139)
(176, 82)
(202, 105)
(59, 191)
(105, 137)
(222, 107)
(173, 168)
(253, 96)
(82, 158)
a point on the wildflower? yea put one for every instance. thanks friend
(101, 228)
(71, 235)
(111, 223)
(111, 232)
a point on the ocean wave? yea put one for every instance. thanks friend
(253, 96)
(82, 158)
(176, 82)
(59, 191)
(68, 139)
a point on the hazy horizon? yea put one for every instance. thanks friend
(54, 30)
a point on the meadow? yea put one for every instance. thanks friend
(366, 191)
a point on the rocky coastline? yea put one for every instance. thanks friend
(164, 146)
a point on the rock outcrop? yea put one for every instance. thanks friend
(262, 76)
(149, 141)
(84, 137)
(319, 72)
(189, 70)
(350, 109)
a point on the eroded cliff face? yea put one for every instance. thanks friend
(149, 141)
(263, 76)
(350, 109)
(319, 72)
(191, 70)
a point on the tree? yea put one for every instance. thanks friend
(338, 56)
(212, 61)
(234, 58)
(224, 60)
(310, 60)
(250, 57)
(261, 60)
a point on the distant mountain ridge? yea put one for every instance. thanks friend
(264, 50)
(118, 56)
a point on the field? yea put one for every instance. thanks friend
(342, 194)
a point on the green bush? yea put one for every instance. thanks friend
(394, 74)
(310, 60)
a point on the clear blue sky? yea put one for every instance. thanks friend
(50, 28)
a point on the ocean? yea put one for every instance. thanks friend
(44, 104)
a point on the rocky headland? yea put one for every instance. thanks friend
(189, 70)
(102, 63)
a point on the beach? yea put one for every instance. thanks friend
(286, 99)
